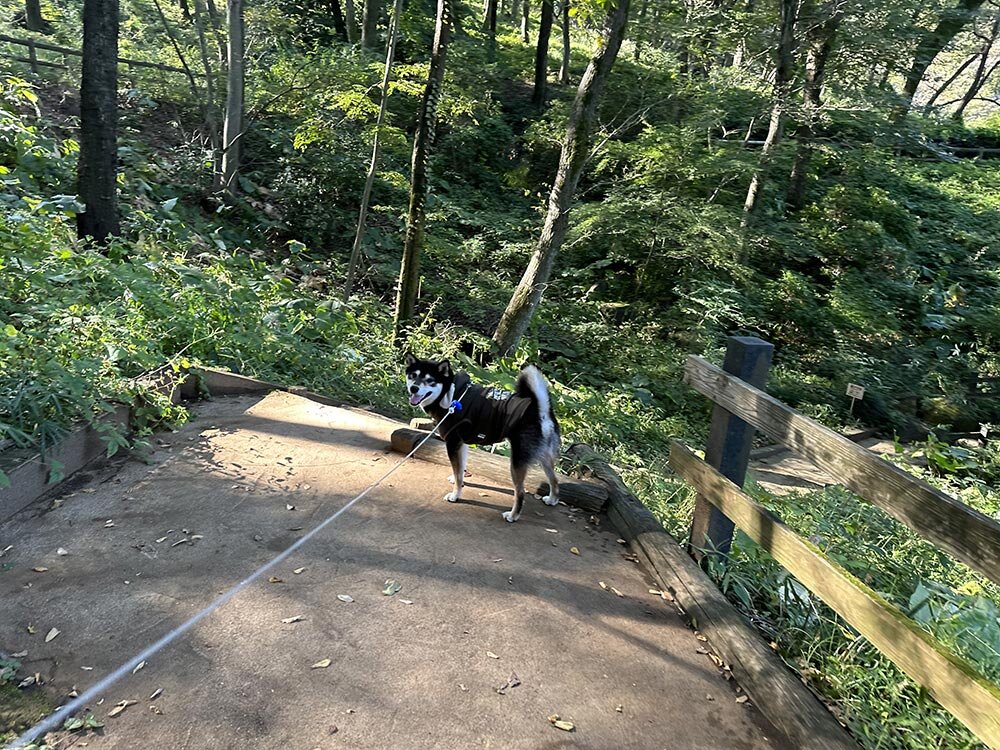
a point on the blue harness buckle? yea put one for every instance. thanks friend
(456, 405)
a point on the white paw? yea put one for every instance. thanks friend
(453, 497)
(549, 500)
(509, 517)
(451, 479)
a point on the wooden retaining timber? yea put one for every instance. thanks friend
(29, 472)
(952, 681)
(965, 533)
(775, 689)
(590, 496)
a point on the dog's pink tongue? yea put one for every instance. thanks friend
(416, 399)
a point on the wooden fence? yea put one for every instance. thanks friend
(952, 526)
(33, 47)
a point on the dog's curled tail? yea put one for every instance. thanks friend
(531, 384)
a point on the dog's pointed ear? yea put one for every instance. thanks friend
(444, 367)
(409, 359)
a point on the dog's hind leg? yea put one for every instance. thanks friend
(518, 472)
(458, 453)
(548, 466)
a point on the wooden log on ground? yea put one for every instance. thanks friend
(965, 533)
(775, 689)
(589, 496)
(952, 681)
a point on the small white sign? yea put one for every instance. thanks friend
(855, 391)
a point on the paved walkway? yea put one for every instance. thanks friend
(481, 601)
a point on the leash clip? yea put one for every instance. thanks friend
(456, 405)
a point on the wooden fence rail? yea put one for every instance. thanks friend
(963, 532)
(967, 534)
(35, 62)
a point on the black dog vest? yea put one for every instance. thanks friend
(487, 415)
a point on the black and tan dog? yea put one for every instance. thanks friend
(484, 416)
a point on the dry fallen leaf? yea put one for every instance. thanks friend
(619, 708)
(156, 710)
(290, 620)
(616, 592)
(552, 531)
(26, 682)
(743, 699)
(321, 664)
(345, 598)
(406, 601)
(566, 726)
(274, 579)
(52, 634)
(40, 569)
(574, 550)
(463, 688)
(119, 707)
(289, 506)
(31, 630)
(603, 585)
(138, 666)
(161, 540)
(392, 587)
(709, 698)
(156, 694)
(61, 552)
(492, 655)
(701, 650)
(298, 570)
(512, 682)
(19, 655)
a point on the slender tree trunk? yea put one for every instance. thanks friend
(929, 106)
(639, 29)
(33, 20)
(564, 68)
(350, 21)
(369, 24)
(175, 43)
(575, 151)
(409, 272)
(215, 18)
(982, 72)
(542, 55)
(784, 70)
(525, 21)
(232, 129)
(390, 53)
(97, 168)
(490, 26)
(211, 111)
(952, 21)
(338, 20)
(819, 38)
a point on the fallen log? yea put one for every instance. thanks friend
(589, 496)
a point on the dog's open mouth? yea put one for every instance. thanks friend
(416, 398)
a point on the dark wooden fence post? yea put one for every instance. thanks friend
(729, 442)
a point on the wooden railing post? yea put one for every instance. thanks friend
(729, 443)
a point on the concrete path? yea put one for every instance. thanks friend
(481, 601)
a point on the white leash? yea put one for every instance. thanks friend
(56, 719)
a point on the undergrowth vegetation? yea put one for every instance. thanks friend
(890, 277)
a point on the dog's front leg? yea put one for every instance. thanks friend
(458, 454)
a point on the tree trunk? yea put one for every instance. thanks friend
(350, 21)
(338, 20)
(490, 26)
(982, 72)
(929, 106)
(575, 151)
(366, 194)
(564, 68)
(525, 21)
(33, 20)
(220, 38)
(232, 129)
(542, 54)
(930, 45)
(211, 113)
(97, 168)
(175, 43)
(409, 272)
(369, 24)
(639, 27)
(819, 40)
(784, 70)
